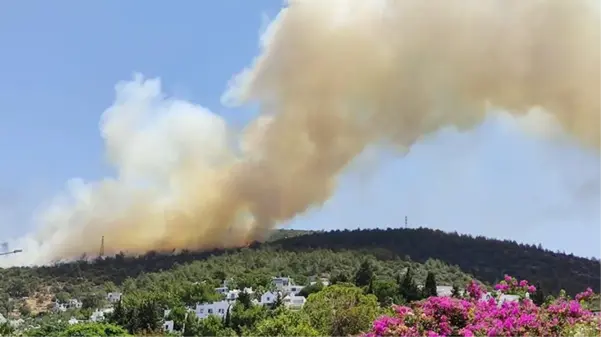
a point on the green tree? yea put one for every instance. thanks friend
(341, 310)
(244, 318)
(455, 292)
(92, 301)
(51, 328)
(430, 286)
(387, 292)
(212, 326)
(6, 329)
(93, 330)
(191, 294)
(149, 317)
(62, 297)
(340, 277)
(285, 323)
(178, 316)
(408, 288)
(118, 316)
(364, 274)
(244, 299)
(539, 296)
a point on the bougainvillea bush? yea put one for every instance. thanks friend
(478, 315)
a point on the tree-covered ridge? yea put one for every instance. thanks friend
(309, 253)
(250, 266)
(487, 259)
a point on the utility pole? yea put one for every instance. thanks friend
(405, 221)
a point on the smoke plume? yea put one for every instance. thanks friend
(333, 78)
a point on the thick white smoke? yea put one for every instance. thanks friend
(333, 78)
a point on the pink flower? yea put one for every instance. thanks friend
(531, 289)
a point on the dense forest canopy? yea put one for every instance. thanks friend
(304, 253)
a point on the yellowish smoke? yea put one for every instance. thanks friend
(333, 77)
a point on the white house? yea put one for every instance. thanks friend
(62, 307)
(268, 298)
(294, 302)
(168, 326)
(222, 290)
(74, 304)
(281, 282)
(99, 315)
(204, 310)
(233, 295)
(444, 291)
(292, 289)
(113, 297)
(73, 320)
(323, 280)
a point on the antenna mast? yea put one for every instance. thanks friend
(101, 247)
(405, 221)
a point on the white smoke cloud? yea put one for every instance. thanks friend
(333, 79)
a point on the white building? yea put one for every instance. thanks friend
(292, 289)
(99, 315)
(268, 298)
(222, 290)
(219, 309)
(73, 320)
(294, 302)
(280, 282)
(168, 326)
(444, 291)
(70, 304)
(113, 297)
(233, 295)
(323, 280)
(74, 304)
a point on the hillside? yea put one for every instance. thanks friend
(487, 259)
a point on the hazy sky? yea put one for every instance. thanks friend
(60, 62)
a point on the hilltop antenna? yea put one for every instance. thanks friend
(405, 221)
(101, 247)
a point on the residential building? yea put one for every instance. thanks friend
(292, 289)
(74, 304)
(269, 298)
(233, 295)
(168, 326)
(73, 320)
(113, 297)
(294, 302)
(100, 315)
(204, 310)
(222, 290)
(444, 291)
(280, 282)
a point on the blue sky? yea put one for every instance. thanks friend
(61, 61)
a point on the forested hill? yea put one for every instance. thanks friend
(486, 259)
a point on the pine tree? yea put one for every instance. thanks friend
(278, 301)
(430, 286)
(227, 319)
(370, 287)
(364, 274)
(118, 315)
(539, 296)
(244, 299)
(408, 289)
(455, 291)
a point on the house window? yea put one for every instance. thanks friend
(210, 311)
(268, 298)
(221, 311)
